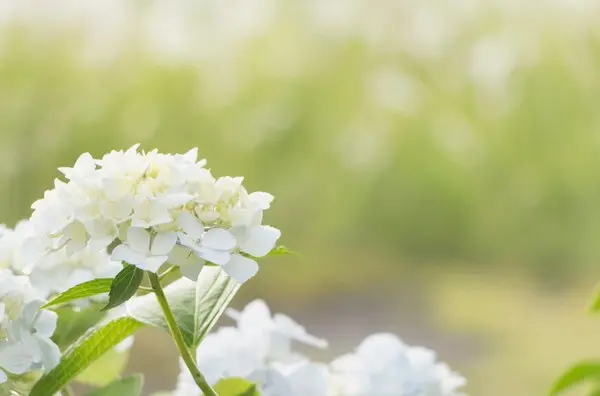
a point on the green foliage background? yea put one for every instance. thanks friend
(435, 163)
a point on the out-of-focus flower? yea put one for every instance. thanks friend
(383, 365)
(272, 336)
(25, 330)
(259, 349)
(157, 208)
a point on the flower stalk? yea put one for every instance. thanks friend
(185, 353)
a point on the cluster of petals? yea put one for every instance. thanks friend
(152, 208)
(382, 365)
(55, 271)
(25, 330)
(261, 349)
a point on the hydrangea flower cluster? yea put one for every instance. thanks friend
(259, 349)
(155, 208)
(56, 271)
(25, 330)
(382, 365)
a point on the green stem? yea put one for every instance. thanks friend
(167, 272)
(185, 353)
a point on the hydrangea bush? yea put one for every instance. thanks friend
(140, 239)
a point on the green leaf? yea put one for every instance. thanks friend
(281, 251)
(124, 286)
(576, 375)
(106, 369)
(86, 289)
(196, 305)
(74, 322)
(236, 387)
(95, 343)
(128, 386)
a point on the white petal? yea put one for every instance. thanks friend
(270, 382)
(138, 239)
(256, 316)
(176, 200)
(159, 214)
(117, 210)
(34, 248)
(163, 243)
(190, 225)
(29, 312)
(152, 263)
(214, 256)
(46, 323)
(288, 326)
(261, 199)
(187, 241)
(73, 246)
(15, 359)
(189, 264)
(128, 255)
(241, 268)
(30, 345)
(2, 310)
(79, 275)
(50, 353)
(261, 241)
(218, 238)
(3, 377)
(191, 155)
(116, 188)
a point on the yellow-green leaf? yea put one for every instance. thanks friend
(95, 343)
(83, 290)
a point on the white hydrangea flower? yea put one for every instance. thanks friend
(57, 270)
(158, 208)
(272, 336)
(145, 251)
(13, 254)
(259, 349)
(25, 330)
(383, 365)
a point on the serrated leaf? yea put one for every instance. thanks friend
(196, 305)
(236, 387)
(83, 290)
(576, 375)
(95, 343)
(124, 286)
(74, 322)
(128, 386)
(105, 369)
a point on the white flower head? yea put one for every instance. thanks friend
(259, 350)
(383, 365)
(272, 335)
(158, 208)
(58, 269)
(25, 330)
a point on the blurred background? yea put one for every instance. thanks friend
(435, 161)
